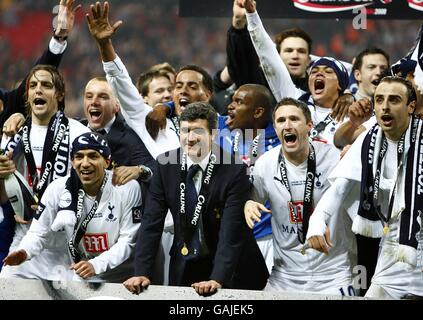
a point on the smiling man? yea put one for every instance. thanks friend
(212, 247)
(379, 181)
(368, 68)
(41, 152)
(246, 133)
(100, 220)
(155, 87)
(129, 154)
(293, 177)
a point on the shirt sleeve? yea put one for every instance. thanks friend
(133, 107)
(57, 47)
(332, 201)
(274, 69)
(39, 232)
(125, 244)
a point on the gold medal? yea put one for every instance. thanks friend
(184, 250)
(304, 248)
(385, 229)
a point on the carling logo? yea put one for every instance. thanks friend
(416, 4)
(331, 6)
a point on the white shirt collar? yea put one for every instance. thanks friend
(203, 163)
(108, 125)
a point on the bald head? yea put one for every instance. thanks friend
(261, 97)
(100, 104)
(250, 107)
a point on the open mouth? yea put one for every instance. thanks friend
(86, 173)
(387, 119)
(230, 118)
(183, 102)
(95, 114)
(319, 85)
(39, 102)
(376, 82)
(289, 138)
(294, 64)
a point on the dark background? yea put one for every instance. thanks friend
(397, 9)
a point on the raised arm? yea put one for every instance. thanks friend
(101, 30)
(243, 64)
(14, 99)
(358, 113)
(274, 69)
(133, 107)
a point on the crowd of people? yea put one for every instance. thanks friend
(153, 32)
(283, 171)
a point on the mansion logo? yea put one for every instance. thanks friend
(334, 5)
(95, 242)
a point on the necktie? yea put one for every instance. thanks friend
(191, 201)
(103, 132)
(191, 192)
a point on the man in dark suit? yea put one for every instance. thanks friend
(205, 190)
(129, 154)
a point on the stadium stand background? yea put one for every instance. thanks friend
(152, 32)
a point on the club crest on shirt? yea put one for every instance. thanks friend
(317, 183)
(110, 217)
(96, 242)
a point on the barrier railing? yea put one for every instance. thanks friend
(22, 289)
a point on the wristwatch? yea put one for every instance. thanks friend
(145, 173)
(59, 38)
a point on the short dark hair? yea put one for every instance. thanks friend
(411, 92)
(261, 97)
(358, 63)
(58, 82)
(207, 79)
(293, 33)
(293, 102)
(200, 110)
(145, 79)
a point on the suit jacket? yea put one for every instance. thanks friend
(238, 262)
(126, 147)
